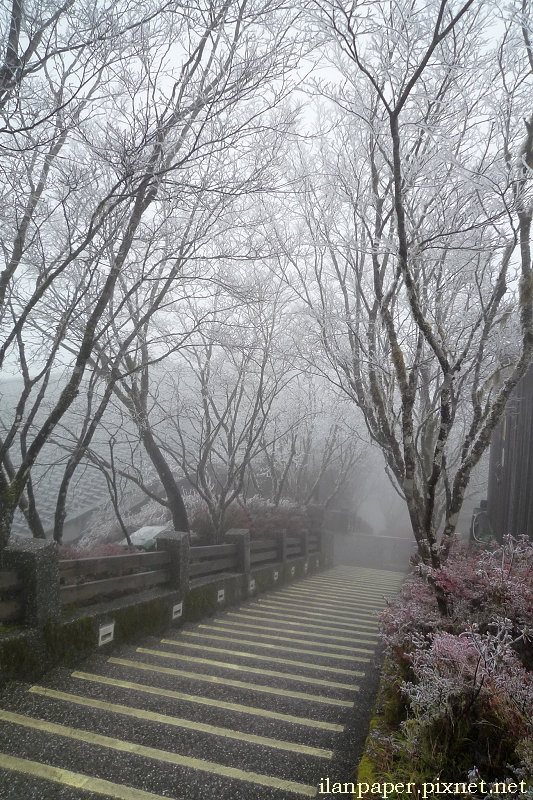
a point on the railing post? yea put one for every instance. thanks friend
(281, 536)
(36, 563)
(177, 543)
(241, 537)
(315, 515)
(327, 547)
(305, 544)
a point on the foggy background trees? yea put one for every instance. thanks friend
(118, 121)
(415, 214)
(241, 240)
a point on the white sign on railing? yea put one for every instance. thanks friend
(106, 633)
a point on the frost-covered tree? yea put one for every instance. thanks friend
(413, 234)
(311, 450)
(113, 115)
(210, 410)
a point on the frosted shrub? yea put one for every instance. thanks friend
(257, 505)
(268, 519)
(261, 517)
(463, 679)
(465, 665)
(107, 530)
(478, 587)
(200, 520)
(197, 514)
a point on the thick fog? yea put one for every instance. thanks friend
(241, 249)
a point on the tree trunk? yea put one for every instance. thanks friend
(174, 498)
(9, 499)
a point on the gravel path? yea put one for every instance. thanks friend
(263, 701)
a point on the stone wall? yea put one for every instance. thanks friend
(47, 638)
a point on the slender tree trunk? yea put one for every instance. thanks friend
(174, 498)
(32, 515)
(9, 500)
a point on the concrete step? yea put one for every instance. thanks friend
(256, 703)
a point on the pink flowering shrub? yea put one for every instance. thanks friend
(491, 581)
(261, 518)
(478, 586)
(461, 684)
(466, 687)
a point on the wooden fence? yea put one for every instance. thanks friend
(84, 579)
(89, 580)
(263, 551)
(294, 547)
(212, 560)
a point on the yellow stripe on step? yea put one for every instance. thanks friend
(257, 657)
(206, 701)
(276, 647)
(226, 621)
(75, 779)
(178, 722)
(153, 753)
(276, 636)
(307, 621)
(254, 687)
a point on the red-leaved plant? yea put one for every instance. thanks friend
(464, 678)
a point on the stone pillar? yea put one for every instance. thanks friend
(315, 516)
(305, 544)
(281, 536)
(327, 547)
(36, 563)
(241, 537)
(177, 543)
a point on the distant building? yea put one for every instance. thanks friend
(510, 488)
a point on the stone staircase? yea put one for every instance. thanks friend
(254, 703)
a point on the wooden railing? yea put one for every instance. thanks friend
(11, 606)
(212, 560)
(114, 575)
(263, 551)
(294, 547)
(175, 567)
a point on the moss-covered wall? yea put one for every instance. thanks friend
(264, 578)
(68, 641)
(143, 619)
(202, 600)
(21, 656)
(26, 654)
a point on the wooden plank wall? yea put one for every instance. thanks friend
(510, 488)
